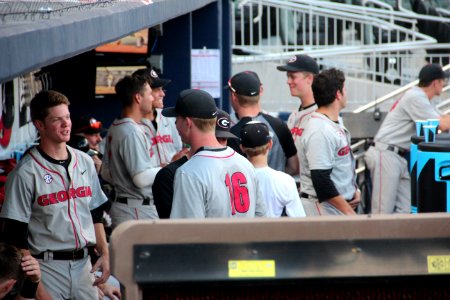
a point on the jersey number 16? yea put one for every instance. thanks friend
(238, 191)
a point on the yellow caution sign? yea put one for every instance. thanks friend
(438, 264)
(251, 268)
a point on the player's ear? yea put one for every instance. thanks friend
(39, 124)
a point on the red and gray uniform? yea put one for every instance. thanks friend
(296, 124)
(128, 153)
(56, 204)
(391, 183)
(168, 140)
(325, 145)
(217, 183)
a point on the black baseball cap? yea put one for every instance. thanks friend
(431, 72)
(223, 125)
(255, 134)
(300, 63)
(193, 103)
(156, 81)
(245, 83)
(86, 125)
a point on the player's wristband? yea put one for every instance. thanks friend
(29, 289)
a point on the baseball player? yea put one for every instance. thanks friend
(162, 131)
(163, 185)
(387, 160)
(90, 129)
(278, 188)
(328, 177)
(215, 181)
(300, 74)
(130, 163)
(54, 205)
(245, 90)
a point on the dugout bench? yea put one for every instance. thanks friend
(370, 257)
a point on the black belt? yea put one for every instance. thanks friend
(123, 200)
(396, 149)
(64, 255)
(307, 196)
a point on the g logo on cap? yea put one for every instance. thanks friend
(153, 74)
(292, 59)
(223, 123)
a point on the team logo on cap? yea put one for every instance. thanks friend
(48, 178)
(223, 123)
(292, 59)
(153, 74)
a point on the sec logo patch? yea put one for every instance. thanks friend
(48, 178)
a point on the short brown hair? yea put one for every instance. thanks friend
(250, 152)
(205, 125)
(10, 259)
(44, 100)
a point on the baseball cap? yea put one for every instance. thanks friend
(86, 125)
(223, 125)
(245, 83)
(156, 81)
(300, 63)
(193, 103)
(431, 72)
(255, 134)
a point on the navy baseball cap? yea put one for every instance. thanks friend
(431, 72)
(254, 134)
(193, 103)
(156, 81)
(245, 83)
(300, 63)
(223, 125)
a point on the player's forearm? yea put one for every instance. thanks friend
(292, 165)
(41, 292)
(341, 204)
(146, 177)
(101, 243)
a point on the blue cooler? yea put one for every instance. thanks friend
(433, 176)
(415, 140)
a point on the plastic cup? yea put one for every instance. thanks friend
(429, 133)
(419, 126)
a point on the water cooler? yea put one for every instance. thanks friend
(415, 140)
(433, 176)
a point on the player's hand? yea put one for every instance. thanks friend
(180, 154)
(112, 292)
(356, 199)
(97, 163)
(101, 294)
(103, 264)
(31, 268)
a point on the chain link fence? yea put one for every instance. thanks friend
(17, 11)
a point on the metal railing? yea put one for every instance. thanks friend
(379, 49)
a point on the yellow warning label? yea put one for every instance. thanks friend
(251, 268)
(439, 264)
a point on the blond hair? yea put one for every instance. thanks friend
(256, 150)
(205, 125)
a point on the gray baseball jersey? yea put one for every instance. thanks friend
(127, 153)
(296, 124)
(167, 138)
(214, 183)
(326, 145)
(55, 206)
(279, 191)
(399, 124)
(150, 134)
